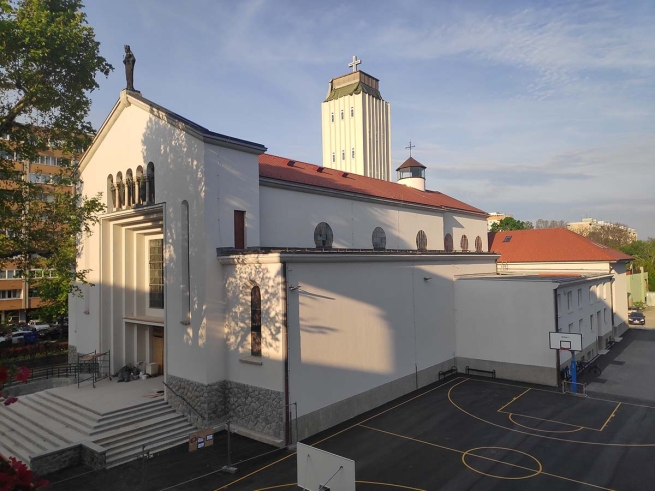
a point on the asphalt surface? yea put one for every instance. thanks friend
(465, 434)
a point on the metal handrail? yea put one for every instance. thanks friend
(182, 397)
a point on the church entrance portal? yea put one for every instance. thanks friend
(158, 347)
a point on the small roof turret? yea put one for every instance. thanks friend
(412, 173)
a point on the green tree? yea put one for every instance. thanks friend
(644, 253)
(509, 223)
(49, 59)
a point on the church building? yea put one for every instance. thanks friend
(275, 293)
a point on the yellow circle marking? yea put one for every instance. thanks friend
(511, 415)
(535, 472)
(400, 486)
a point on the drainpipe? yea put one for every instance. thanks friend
(557, 359)
(287, 408)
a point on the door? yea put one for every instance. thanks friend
(239, 229)
(158, 347)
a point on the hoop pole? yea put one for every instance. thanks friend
(574, 375)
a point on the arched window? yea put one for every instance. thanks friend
(184, 245)
(255, 322)
(129, 184)
(120, 188)
(150, 183)
(379, 239)
(323, 236)
(111, 193)
(140, 186)
(478, 244)
(464, 243)
(421, 241)
(448, 243)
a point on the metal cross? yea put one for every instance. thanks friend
(410, 147)
(354, 63)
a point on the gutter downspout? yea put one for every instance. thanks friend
(287, 408)
(557, 359)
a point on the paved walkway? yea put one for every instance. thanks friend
(628, 370)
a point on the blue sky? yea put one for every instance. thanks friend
(539, 109)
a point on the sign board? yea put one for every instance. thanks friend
(201, 439)
(318, 469)
(569, 341)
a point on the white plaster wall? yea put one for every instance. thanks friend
(354, 326)
(505, 320)
(458, 224)
(555, 267)
(239, 280)
(288, 219)
(620, 294)
(599, 302)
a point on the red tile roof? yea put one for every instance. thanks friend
(283, 169)
(550, 245)
(411, 162)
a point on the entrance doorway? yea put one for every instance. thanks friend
(158, 347)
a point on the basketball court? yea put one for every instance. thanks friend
(474, 434)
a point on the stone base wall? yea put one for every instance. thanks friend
(208, 399)
(253, 408)
(72, 354)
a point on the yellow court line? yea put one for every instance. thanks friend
(361, 482)
(550, 420)
(542, 436)
(489, 458)
(555, 392)
(537, 429)
(611, 416)
(339, 432)
(513, 399)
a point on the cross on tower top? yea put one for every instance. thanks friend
(354, 63)
(409, 147)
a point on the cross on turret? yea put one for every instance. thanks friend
(354, 63)
(409, 147)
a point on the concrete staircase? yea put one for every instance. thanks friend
(45, 421)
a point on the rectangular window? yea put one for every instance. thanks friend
(11, 274)
(342, 114)
(332, 117)
(599, 319)
(333, 158)
(579, 297)
(559, 304)
(591, 295)
(571, 327)
(33, 293)
(10, 294)
(239, 229)
(352, 153)
(343, 155)
(580, 325)
(605, 315)
(591, 322)
(352, 112)
(569, 301)
(3, 274)
(156, 274)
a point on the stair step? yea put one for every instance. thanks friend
(69, 423)
(17, 441)
(18, 419)
(58, 410)
(134, 451)
(130, 421)
(11, 452)
(127, 432)
(30, 434)
(146, 402)
(50, 425)
(130, 416)
(149, 439)
(63, 404)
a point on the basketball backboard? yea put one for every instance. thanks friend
(568, 341)
(319, 470)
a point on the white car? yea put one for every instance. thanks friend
(38, 325)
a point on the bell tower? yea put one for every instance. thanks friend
(356, 125)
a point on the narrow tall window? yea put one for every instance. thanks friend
(569, 301)
(591, 322)
(184, 246)
(150, 183)
(579, 297)
(379, 239)
(255, 322)
(352, 112)
(580, 325)
(129, 187)
(140, 186)
(342, 114)
(421, 241)
(332, 117)
(239, 229)
(334, 159)
(156, 274)
(464, 243)
(352, 153)
(478, 244)
(448, 243)
(111, 194)
(323, 236)
(120, 186)
(343, 155)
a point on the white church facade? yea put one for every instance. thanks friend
(268, 289)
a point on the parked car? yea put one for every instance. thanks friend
(38, 325)
(5, 341)
(28, 337)
(636, 317)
